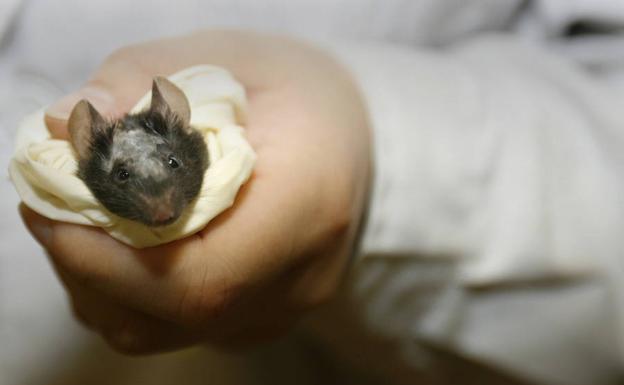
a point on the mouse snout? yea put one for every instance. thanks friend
(163, 214)
(161, 210)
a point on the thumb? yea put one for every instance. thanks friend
(57, 114)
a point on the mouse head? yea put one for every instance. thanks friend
(147, 166)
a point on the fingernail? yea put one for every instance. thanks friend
(101, 99)
(39, 227)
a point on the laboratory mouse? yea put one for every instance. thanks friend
(146, 167)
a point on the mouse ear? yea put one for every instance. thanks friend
(167, 97)
(84, 121)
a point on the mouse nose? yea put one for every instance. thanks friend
(163, 214)
(160, 210)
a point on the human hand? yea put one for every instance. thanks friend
(283, 246)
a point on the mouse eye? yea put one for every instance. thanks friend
(123, 174)
(173, 162)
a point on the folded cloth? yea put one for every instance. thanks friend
(43, 169)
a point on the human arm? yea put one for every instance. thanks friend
(278, 252)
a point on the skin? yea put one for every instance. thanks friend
(278, 252)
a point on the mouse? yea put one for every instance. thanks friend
(147, 166)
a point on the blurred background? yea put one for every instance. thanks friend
(556, 319)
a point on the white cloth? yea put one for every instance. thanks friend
(502, 155)
(8, 9)
(44, 169)
(506, 160)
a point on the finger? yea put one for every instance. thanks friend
(126, 330)
(129, 276)
(113, 90)
(193, 279)
(57, 114)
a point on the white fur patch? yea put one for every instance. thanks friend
(138, 150)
